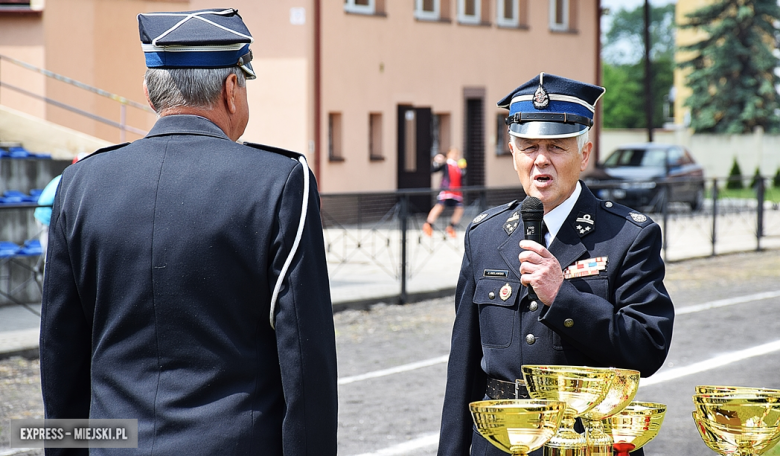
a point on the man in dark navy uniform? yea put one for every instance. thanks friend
(186, 284)
(599, 277)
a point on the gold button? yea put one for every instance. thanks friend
(533, 306)
(568, 322)
(492, 295)
(530, 339)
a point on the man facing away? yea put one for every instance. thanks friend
(599, 277)
(186, 284)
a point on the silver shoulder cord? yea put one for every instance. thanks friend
(298, 235)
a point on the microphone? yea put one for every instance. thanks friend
(532, 211)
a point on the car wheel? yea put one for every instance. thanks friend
(698, 201)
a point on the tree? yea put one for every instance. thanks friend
(732, 72)
(734, 181)
(623, 66)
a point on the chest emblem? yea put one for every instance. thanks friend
(584, 224)
(584, 268)
(505, 292)
(511, 223)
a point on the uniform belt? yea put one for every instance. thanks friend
(500, 389)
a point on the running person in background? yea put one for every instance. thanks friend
(453, 170)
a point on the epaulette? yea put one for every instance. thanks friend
(104, 149)
(636, 217)
(276, 150)
(492, 212)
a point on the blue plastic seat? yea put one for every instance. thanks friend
(31, 247)
(9, 249)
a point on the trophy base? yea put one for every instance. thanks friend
(566, 443)
(599, 443)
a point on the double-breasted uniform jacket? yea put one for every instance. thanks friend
(162, 260)
(620, 315)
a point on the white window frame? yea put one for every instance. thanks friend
(476, 18)
(420, 13)
(351, 7)
(556, 26)
(501, 20)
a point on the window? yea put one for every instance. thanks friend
(375, 136)
(428, 10)
(334, 137)
(512, 13)
(469, 11)
(441, 134)
(359, 6)
(502, 135)
(410, 143)
(559, 15)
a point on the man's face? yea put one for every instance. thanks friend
(549, 168)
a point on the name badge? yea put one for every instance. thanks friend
(495, 273)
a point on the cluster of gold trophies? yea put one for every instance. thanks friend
(736, 421)
(602, 397)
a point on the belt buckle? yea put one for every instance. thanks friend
(519, 383)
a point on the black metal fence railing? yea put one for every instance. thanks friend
(376, 238)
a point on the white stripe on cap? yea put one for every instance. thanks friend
(197, 15)
(557, 97)
(207, 48)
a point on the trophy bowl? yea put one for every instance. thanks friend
(712, 389)
(635, 425)
(728, 439)
(517, 426)
(620, 394)
(581, 388)
(746, 409)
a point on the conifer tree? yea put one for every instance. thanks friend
(732, 71)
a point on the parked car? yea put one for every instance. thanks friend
(641, 175)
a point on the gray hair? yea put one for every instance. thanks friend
(192, 87)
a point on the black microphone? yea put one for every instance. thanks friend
(532, 211)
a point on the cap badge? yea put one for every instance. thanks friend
(639, 218)
(541, 98)
(505, 292)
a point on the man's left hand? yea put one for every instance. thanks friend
(540, 269)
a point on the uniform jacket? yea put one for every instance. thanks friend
(621, 316)
(162, 259)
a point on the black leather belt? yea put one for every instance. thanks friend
(500, 389)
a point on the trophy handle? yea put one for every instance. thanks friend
(623, 448)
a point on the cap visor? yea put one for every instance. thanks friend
(248, 70)
(551, 130)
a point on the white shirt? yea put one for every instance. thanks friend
(555, 218)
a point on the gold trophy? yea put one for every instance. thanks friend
(737, 420)
(517, 426)
(635, 425)
(620, 394)
(581, 388)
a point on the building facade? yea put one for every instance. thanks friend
(368, 89)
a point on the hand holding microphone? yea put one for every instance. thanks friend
(537, 264)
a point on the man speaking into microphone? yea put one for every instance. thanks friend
(588, 292)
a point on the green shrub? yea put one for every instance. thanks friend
(756, 177)
(735, 177)
(776, 179)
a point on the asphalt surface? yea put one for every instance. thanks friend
(392, 360)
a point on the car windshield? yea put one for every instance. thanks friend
(636, 158)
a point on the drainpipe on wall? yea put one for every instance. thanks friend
(596, 138)
(317, 93)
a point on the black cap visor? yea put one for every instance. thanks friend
(551, 130)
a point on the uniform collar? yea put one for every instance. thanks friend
(188, 125)
(555, 218)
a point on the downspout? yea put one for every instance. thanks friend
(317, 93)
(597, 137)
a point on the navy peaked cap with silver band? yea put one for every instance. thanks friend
(213, 38)
(550, 106)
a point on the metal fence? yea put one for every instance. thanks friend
(374, 234)
(375, 240)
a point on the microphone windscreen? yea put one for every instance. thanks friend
(532, 209)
